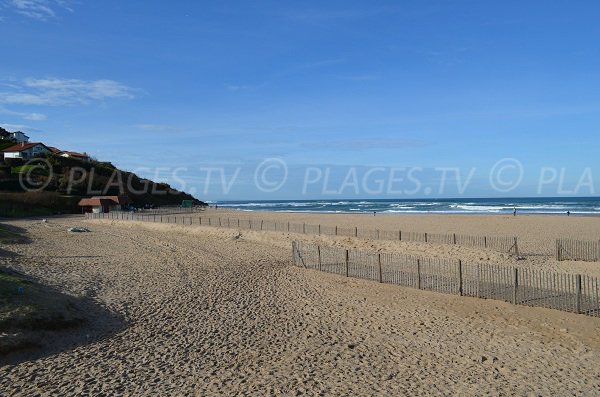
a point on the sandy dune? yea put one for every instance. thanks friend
(207, 313)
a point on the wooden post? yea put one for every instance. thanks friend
(336, 230)
(319, 229)
(598, 257)
(219, 221)
(238, 223)
(454, 238)
(484, 241)
(380, 272)
(356, 231)
(294, 252)
(460, 278)
(578, 293)
(319, 254)
(288, 226)
(515, 285)
(516, 247)
(209, 221)
(304, 228)
(261, 224)
(347, 264)
(400, 235)
(425, 237)
(377, 234)
(418, 274)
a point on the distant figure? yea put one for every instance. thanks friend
(374, 213)
(568, 213)
(216, 206)
(515, 211)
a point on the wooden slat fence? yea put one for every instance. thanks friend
(502, 244)
(566, 292)
(577, 250)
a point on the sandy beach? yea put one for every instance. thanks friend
(209, 311)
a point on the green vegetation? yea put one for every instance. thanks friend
(4, 144)
(27, 307)
(66, 180)
(23, 169)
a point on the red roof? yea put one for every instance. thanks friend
(54, 149)
(95, 202)
(23, 146)
(75, 154)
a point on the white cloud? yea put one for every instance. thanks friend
(24, 115)
(41, 10)
(55, 91)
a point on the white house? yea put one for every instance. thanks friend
(19, 137)
(25, 150)
(75, 155)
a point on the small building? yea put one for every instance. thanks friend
(75, 155)
(95, 205)
(4, 134)
(19, 137)
(25, 150)
(103, 204)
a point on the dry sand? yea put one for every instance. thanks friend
(207, 314)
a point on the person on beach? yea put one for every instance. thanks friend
(374, 213)
(568, 213)
(515, 211)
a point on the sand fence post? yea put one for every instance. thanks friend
(454, 238)
(336, 230)
(220, 221)
(377, 234)
(516, 247)
(418, 273)
(379, 263)
(515, 285)
(288, 225)
(261, 224)
(598, 252)
(578, 293)
(484, 241)
(355, 231)
(425, 237)
(460, 278)
(347, 264)
(399, 235)
(304, 228)
(319, 255)
(294, 252)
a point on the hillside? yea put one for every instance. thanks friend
(66, 180)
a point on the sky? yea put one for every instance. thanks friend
(286, 100)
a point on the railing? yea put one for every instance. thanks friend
(577, 250)
(520, 286)
(502, 244)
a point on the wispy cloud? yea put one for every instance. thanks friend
(23, 115)
(42, 10)
(55, 91)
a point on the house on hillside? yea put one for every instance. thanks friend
(4, 134)
(25, 151)
(19, 137)
(103, 204)
(75, 155)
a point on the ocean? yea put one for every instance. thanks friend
(542, 206)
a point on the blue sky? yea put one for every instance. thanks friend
(170, 89)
